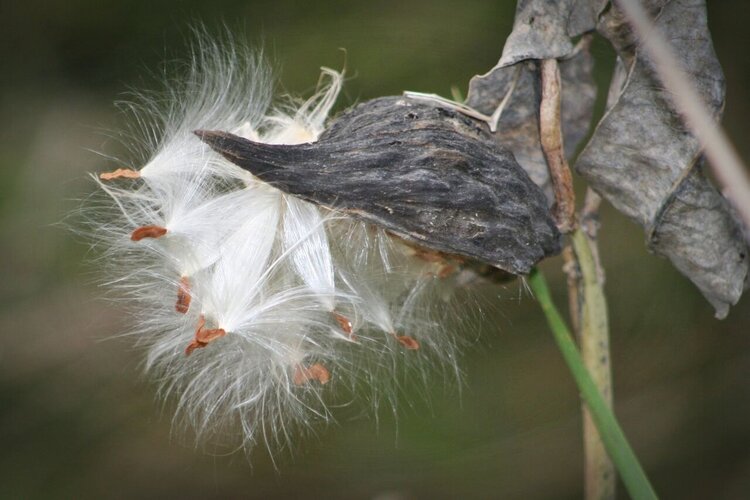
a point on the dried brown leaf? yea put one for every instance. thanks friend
(518, 128)
(643, 159)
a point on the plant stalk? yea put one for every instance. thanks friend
(588, 305)
(612, 436)
(592, 328)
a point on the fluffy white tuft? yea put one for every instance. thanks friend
(253, 304)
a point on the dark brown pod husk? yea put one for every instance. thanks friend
(428, 174)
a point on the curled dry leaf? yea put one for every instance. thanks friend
(543, 29)
(641, 158)
(645, 162)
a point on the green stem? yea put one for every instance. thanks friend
(617, 445)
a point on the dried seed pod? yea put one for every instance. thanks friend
(289, 293)
(428, 174)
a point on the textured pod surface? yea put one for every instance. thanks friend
(425, 173)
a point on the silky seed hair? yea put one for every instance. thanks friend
(259, 312)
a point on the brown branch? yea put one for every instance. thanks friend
(550, 133)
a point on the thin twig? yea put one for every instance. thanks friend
(552, 145)
(725, 162)
(495, 118)
(456, 105)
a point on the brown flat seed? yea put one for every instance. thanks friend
(445, 271)
(316, 372)
(344, 323)
(206, 335)
(120, 173)
(183, 296)
(407, 342)
(148, 232)
(203, 336)
(193, 346)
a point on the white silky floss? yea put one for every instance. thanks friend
(251, 301)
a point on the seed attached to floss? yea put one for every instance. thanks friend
(183, 296)
(445, 270)
(245, 278)
(316, 372)
(445, 265)
(120, 173)
(345, 324)
(203, 336)
(407, 342)
(148, 232)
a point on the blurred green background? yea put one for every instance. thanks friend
(77, 418)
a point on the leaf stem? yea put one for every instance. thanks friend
(550, 135)
(614, 440)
